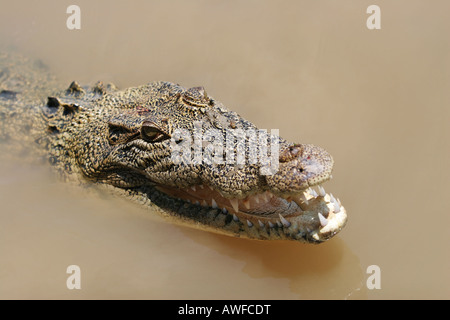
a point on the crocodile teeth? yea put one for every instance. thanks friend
(271, 224)
(285, 223)
(201, 186)
(322, 192)
(249, 224)
(314, 193)
(323, 220)
(336, 205)
(246, 203)
(256, 199)
(204, 203)
(302, 199)
(235, 218)
(234, 204)
(197, 202)
(332, 199)
(194, 188)
(299, 201)
(214, 203)
(261, 225)
(224, 210)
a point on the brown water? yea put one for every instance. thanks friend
(377, 100)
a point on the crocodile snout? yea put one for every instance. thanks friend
(301, 166)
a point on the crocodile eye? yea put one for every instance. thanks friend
(151, 133)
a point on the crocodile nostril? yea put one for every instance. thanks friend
(291, 153)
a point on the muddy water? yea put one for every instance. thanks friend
(378, 100)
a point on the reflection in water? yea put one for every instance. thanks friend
(326, 271)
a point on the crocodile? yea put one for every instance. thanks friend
(126, 139)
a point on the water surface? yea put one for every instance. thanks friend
(377, 100)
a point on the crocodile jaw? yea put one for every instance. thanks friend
(284, 206)
(310, 216)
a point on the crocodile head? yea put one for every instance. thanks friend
(204, 164)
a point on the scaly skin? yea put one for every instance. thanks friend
(126, 139)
